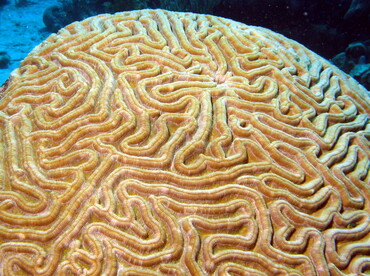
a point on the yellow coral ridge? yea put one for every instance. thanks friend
(162, 143)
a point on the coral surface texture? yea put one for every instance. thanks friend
(164, 143)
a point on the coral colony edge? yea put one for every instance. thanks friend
(165, 143)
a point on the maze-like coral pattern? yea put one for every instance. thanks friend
(161, 143)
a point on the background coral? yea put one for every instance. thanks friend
(355, 61)
(67, 11)
(4, 59)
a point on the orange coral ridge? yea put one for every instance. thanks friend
(154, 142)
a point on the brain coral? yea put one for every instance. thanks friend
(161, 143)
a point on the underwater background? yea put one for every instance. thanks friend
(338, 30)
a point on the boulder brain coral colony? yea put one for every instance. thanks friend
(162, 143)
